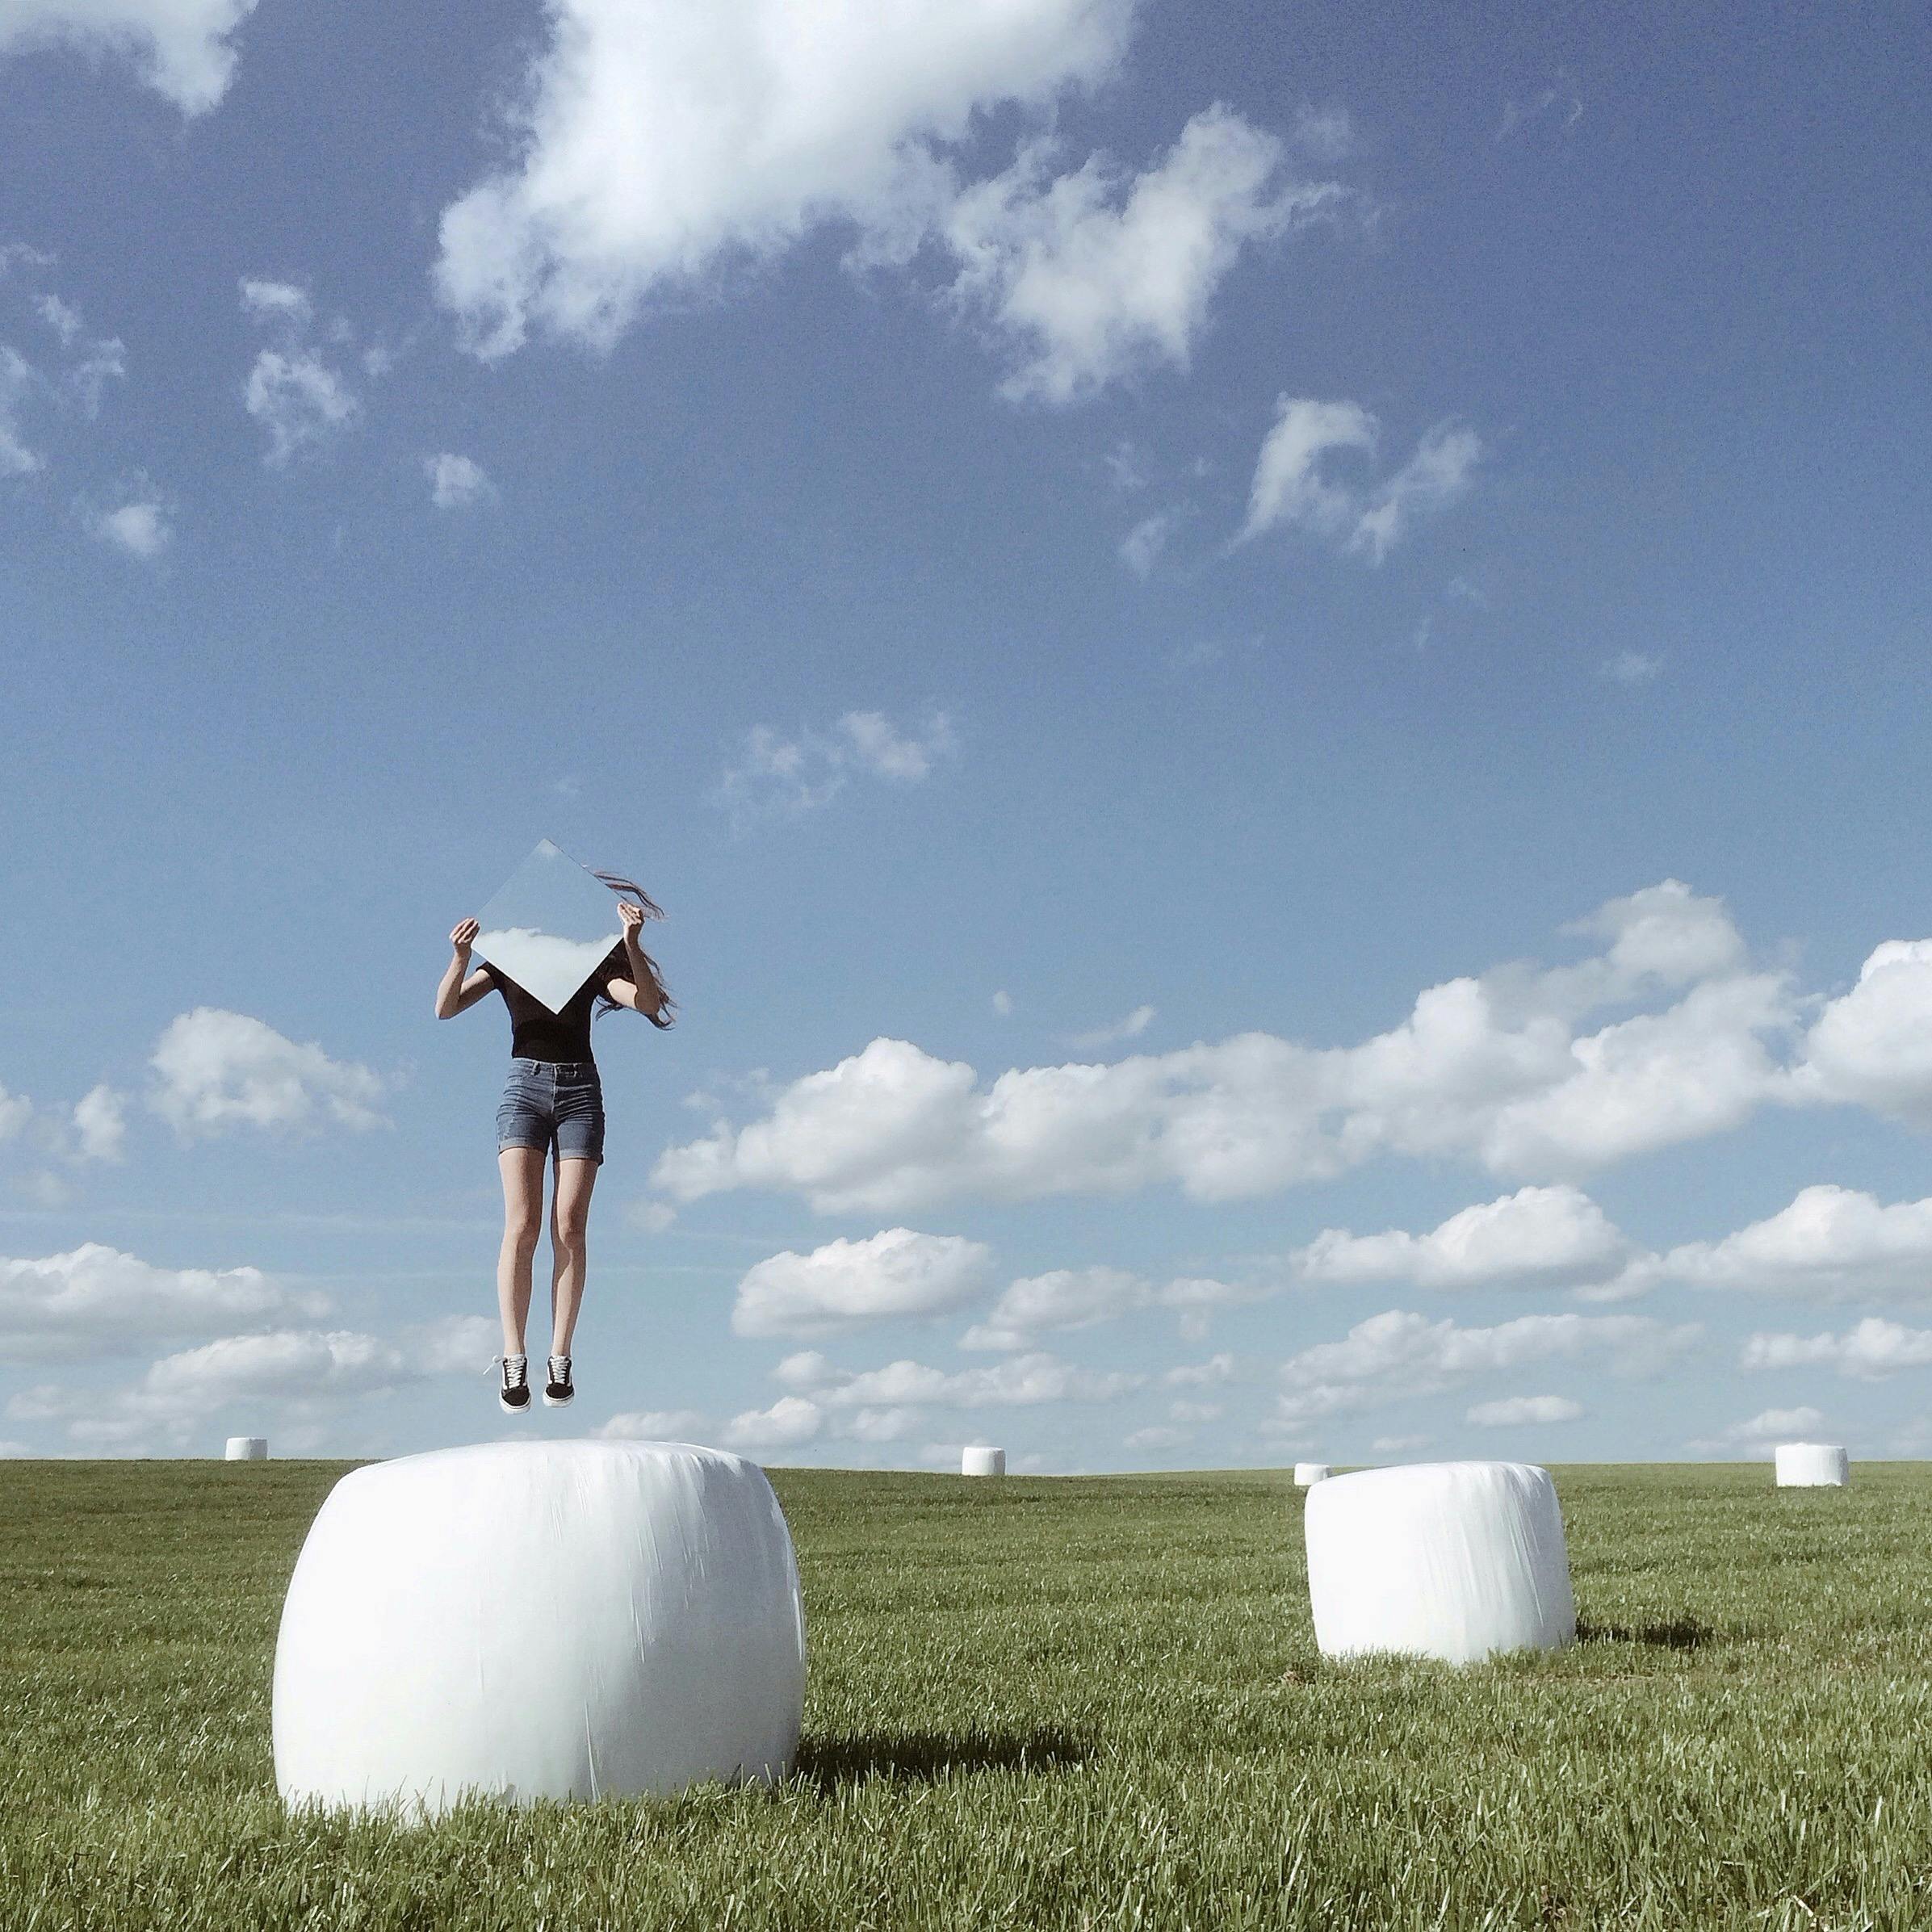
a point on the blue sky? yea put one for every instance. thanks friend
(1274, 675)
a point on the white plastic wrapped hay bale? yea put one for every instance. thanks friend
(1454, 1560)
(247, 1448)
(525, 1620)
(1308, 1474)
(979, 1459)
(1811, 1465)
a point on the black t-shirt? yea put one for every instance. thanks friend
(536, 1032)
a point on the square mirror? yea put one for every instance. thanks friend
(549, 924)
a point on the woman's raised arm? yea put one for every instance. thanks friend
(452, 996)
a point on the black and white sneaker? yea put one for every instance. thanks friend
(515, 1394)
(558, 1392)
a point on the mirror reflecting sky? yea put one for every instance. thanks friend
(549, 924)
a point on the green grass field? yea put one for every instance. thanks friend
(1038, 1703)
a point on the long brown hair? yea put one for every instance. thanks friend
(616, 957)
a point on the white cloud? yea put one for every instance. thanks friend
(296, 394)
(1296, 483)
(298, 400)
(296, 1377)
(1217, 1368)
(183, 48)
(790, 1421)
(15, 1111)
(873, 744)
(1141, 547)
(1429, 481)
(1631, 667)
(457, 482)
(85, 364)
(1537, 1237)
(1399, 1354)
(1872, 1046)
(1870, 1350)
(652, 1425)
(1092, 277)
(95, 1300)
(457, 1344)
(1158, 1436)
(62, 317)
(1003, 1004)
(1022, 1381)
(1131, 1027)
(269, 301)
(659, 144)
(102, 362)
(1065, 1298)
(1288, 486)
(1070, 1298)
(100, 1121)
(848, 1283)
(1493, 1069)
(215, 1070)
(1830, 1242)
(791, 776)
(1514, 1411)
(140, 528)
(1762, 1433)
(18, 381)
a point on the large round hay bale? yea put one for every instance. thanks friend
(1454, 1560)
(525, 1620)
(1811, 1465)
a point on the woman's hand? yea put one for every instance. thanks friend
(633, 917)
(462, 936)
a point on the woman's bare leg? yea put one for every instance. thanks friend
(569, 1217)
(522, 1170)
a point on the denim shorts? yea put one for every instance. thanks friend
(559, 1101)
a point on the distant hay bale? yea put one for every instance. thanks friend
(247, 1448)
(1453, 1559)
(980, 1460)
(1307, 1475)
(1811, 1465)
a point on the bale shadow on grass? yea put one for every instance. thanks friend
(928, 1757)
(1677, 1633)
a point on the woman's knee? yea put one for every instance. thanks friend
(520, 1233)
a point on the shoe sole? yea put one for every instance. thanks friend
(559, 1401)
(513, 1408)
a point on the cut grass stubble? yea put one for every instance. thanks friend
(1038, 1703)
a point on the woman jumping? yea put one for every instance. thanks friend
(553, 1102)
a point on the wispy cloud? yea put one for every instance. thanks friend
(1140, 549)
(1313, 474)
(1560, 103)
(457, 482)
(776, 776)
(293, 390)
(182, 49)
(1631, 668)
(1131, 1027)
